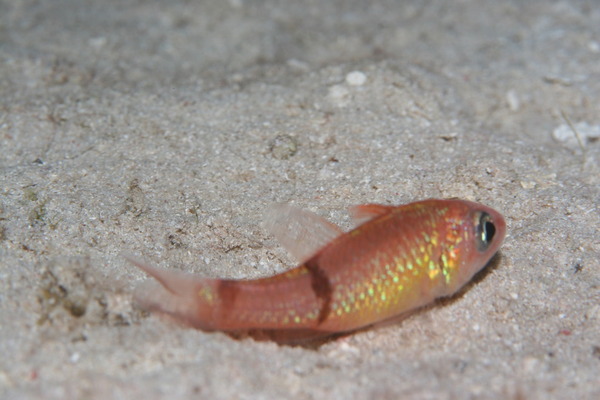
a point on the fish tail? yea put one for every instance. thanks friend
(181, 296)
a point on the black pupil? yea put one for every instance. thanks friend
(488, 231)
(485, 231)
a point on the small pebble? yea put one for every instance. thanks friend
(283, 147)
(513, 100)
(74, 357)
(339, 95)
(356, 78)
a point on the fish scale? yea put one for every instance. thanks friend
(400, 270)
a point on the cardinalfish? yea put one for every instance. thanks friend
(397, 259)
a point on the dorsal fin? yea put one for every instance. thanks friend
(301, 232)
(365, 212)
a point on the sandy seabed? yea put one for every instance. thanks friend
(167, 128)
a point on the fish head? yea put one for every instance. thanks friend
(476, 233)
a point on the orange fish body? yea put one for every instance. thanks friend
(402, 258)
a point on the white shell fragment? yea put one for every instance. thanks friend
(567, 136)
(356, 78)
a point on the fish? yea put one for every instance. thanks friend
(396, 260)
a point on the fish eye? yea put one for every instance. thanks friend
(484, 230)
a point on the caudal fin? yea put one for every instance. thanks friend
(177, 296)
(176, 282)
